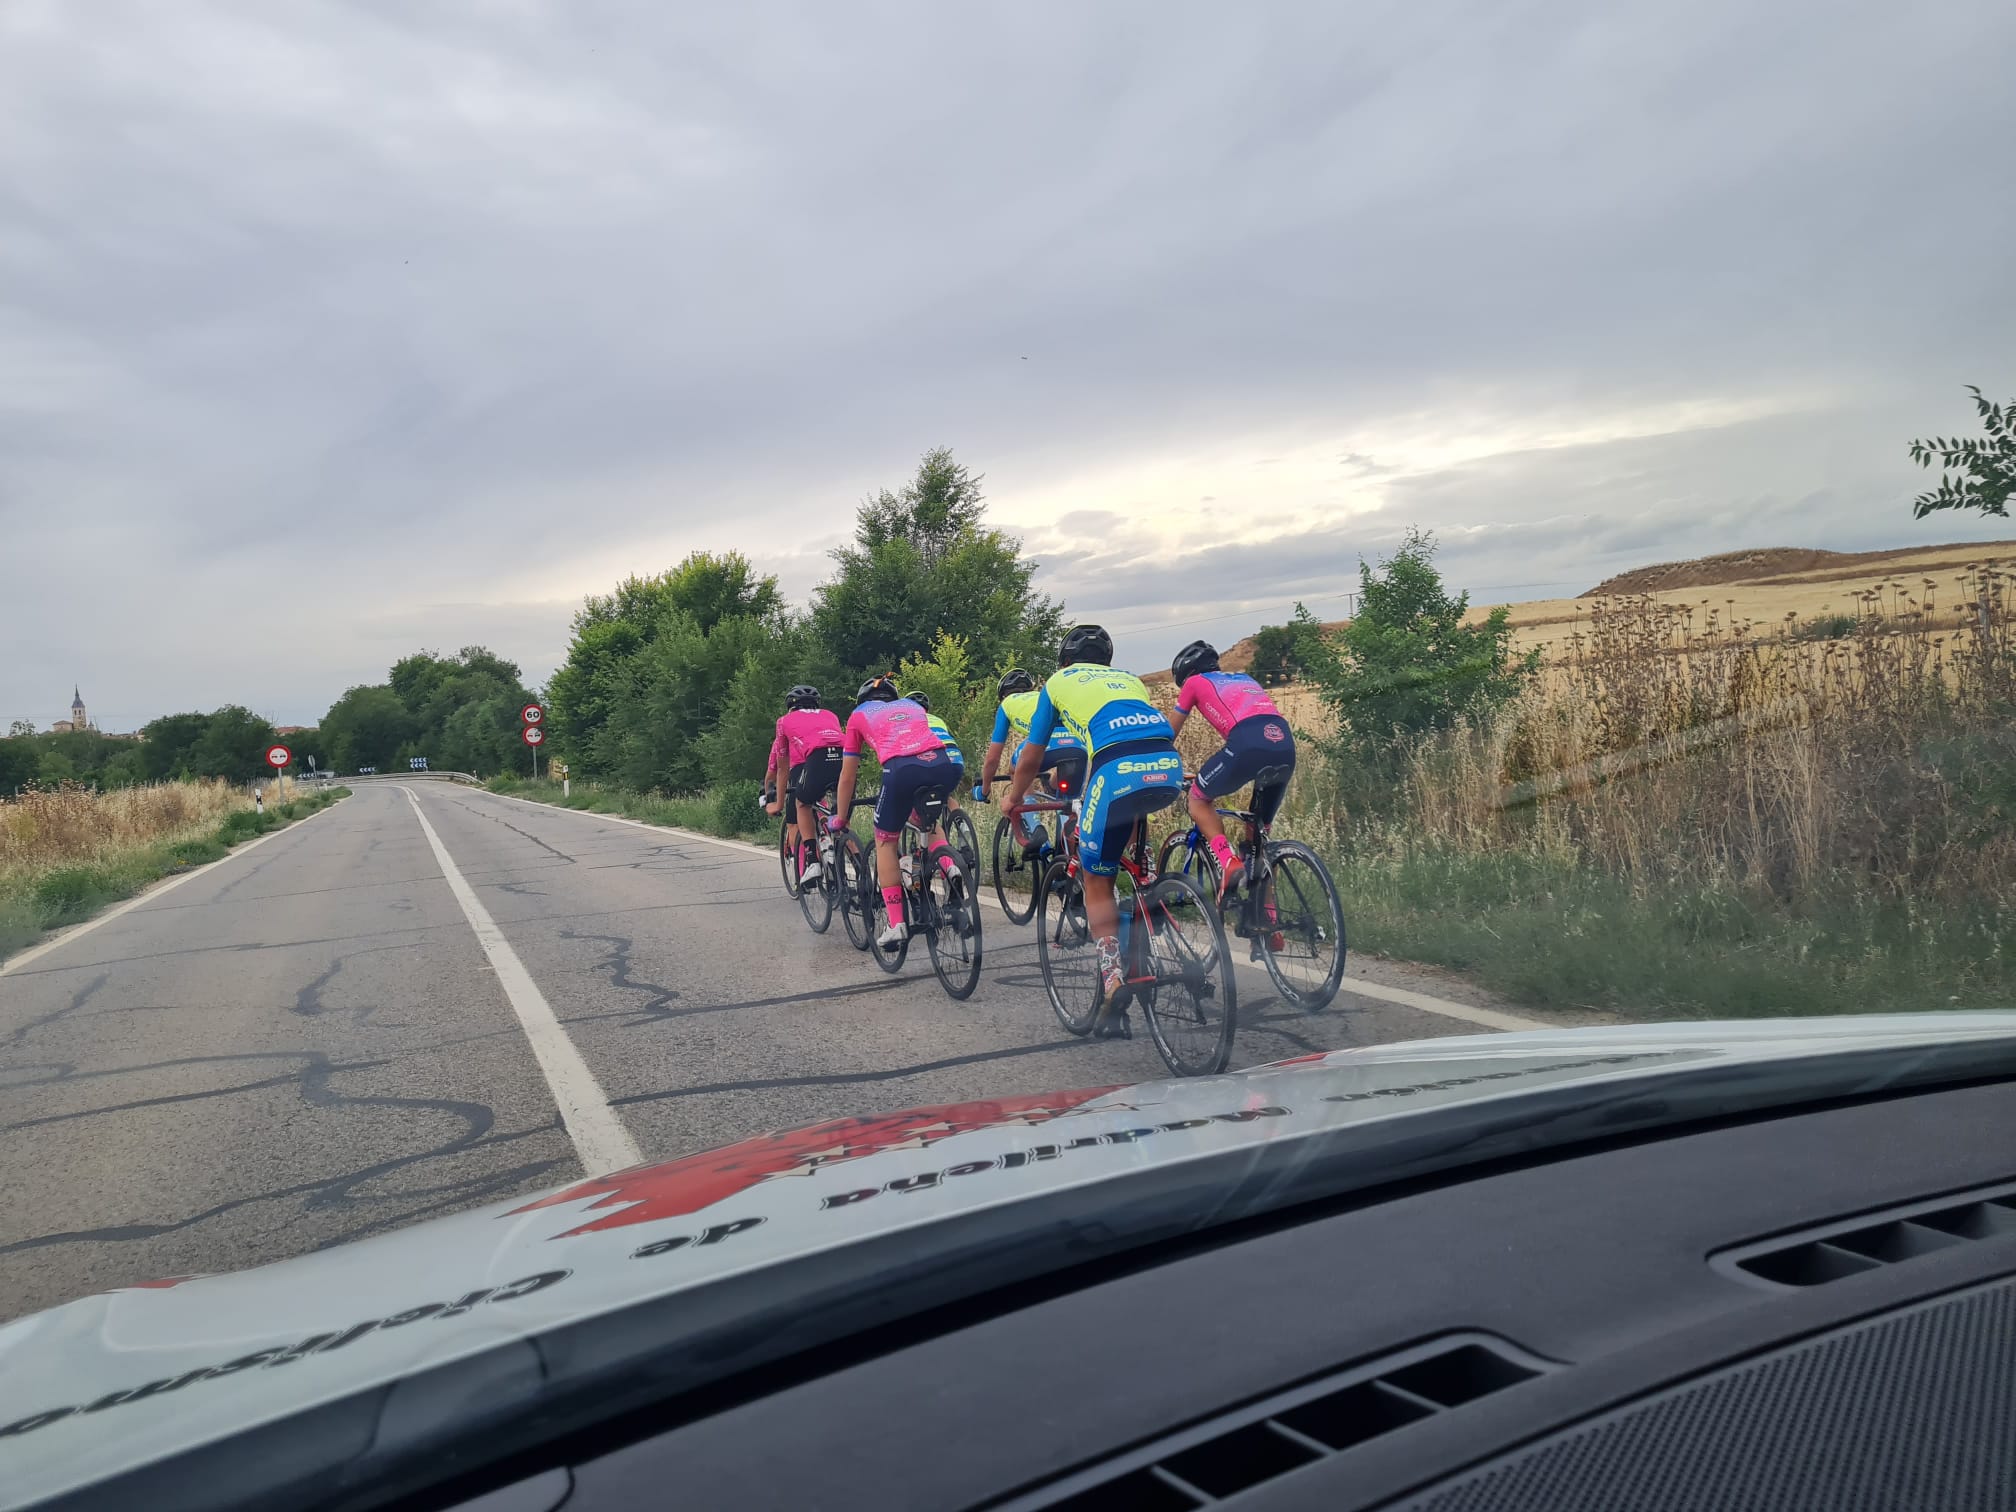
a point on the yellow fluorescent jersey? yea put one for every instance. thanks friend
(944, 733)
(1102, 706)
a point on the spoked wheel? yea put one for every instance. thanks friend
(787, 862)
(1065, 950)
(891, 957)
(1015, 876)
(965, 840)
(855, 892)
(951, 919)
(1179, 858)
(815, 900)
(1192, 1007)
(1299, 926)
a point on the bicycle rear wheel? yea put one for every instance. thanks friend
(1192, 1007)
(1015, 878)
(1178, 858)
(856, 894)
(965, 840)
(815, 900)
(952, 922)
(891, 957)
(1300, 926)
(1065, 950)
(786, 862)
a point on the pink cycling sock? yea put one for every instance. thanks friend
(1221, 851)
(892, 901)
(945, 862)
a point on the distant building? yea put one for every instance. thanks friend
(61, 727)
(78, 720)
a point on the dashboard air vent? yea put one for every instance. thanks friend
(1213, 1461)
(1815, 1257)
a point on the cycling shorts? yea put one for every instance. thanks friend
(905, 779)
(1128, 780)
(1064, 764)
(1253, 747)
(815, 776)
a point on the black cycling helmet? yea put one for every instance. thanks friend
(1198, 656)
(877, 690)
(922, 700)
(1086, 643)
(1014, 680)
(804, 696)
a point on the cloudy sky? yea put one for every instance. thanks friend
(328, 331)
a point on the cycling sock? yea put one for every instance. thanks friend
(892, 901)
(1109, 956)
(945, 862)
(1222, 852)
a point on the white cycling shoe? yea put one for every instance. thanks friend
(811, 873)
(892, 935)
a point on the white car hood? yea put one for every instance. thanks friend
(112, 1382)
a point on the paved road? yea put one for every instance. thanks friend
(308, 1042)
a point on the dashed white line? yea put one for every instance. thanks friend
(600, 1140)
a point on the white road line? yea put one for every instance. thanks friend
(1488, 1018)
(167, 884)
(600, 1140)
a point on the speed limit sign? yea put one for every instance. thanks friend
(532, 714)
(277, 756)
(533, 735)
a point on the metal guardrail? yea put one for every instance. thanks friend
(351, 781)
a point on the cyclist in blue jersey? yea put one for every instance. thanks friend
(1063, 765)
(1135, 770)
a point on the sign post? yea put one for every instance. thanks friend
(277, 757)
(532, 717)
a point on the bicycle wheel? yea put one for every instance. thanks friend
(965, 840)
(1192, 1007)
(1300, 931)
(891, 957)
(1178, 858)
(1065, 951)
(816, 901)
(1015, 877)
(786, 862)
(951, 917)
(855, 891)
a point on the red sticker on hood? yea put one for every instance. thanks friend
(674, 1188)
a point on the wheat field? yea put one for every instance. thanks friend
(74, 826)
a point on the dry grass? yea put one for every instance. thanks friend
(74, 826)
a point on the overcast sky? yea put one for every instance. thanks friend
(332, 331)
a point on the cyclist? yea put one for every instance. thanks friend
(805, 758)
(1257, 741)
(1134, 771)
(913, 761)
(944, 734)
(1063, 756)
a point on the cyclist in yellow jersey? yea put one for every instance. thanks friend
(1135, 770)
(1063, 755)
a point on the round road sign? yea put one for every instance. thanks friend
(533, 735)
(277, 756)
(532, 714)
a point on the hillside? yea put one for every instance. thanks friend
(1771, 564)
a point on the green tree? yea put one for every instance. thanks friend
(366, 727)
(166, 744)
(1280, 654)
(233, 745)
(1985, 476)
(20, 763)
(920, 565)
(1407, 663)
(958, 695)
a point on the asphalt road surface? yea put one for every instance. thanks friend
(310, 1041)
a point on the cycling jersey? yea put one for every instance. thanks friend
(1224, 698)
(944, 734)
(1102, 706)
(800, 731)
(1013, 717)
(892, 728)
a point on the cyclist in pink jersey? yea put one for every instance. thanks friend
(806, 760)
(1258, 744)
(913, 761)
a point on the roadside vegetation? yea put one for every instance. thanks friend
(67, 852)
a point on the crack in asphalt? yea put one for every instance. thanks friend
(617, 963)
(77, 1000)
(849, 1078)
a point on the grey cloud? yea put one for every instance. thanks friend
(324, 314)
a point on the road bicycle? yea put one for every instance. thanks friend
(843, 861)
(786, 861)
(1015, 871)
(938, 904)
(1172, 951)
(1286, 907)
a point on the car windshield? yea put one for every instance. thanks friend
(637, 577)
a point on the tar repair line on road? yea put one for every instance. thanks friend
(600, 1140)
(1485, 1018)
(166, 884)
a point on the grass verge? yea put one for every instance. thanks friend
(32, 904)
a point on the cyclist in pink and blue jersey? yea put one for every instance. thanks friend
(805, 758)
(913, 762)
(1257, 740)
